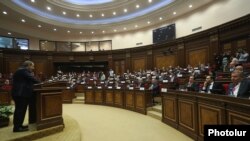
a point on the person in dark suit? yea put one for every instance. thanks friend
(22, 91)
(210, 86)
(191, 85)
(240, 86)
(155, 87)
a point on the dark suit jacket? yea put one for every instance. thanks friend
(244, 90)
(217, 86)
(193, 87)
(23, 82)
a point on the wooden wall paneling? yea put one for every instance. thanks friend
(238, 112)
(12, 62)
(170, 114)
(149, 60)
(109, 99)
(98, 96)
(60, 58)
(103, 57)
(5, 98)
(118, 98)
(197, 57)
(228, 36)
(186, 110)
(53, 105)
(139, 64)
(128, 61)
(197, 49)
(119, 66)
(110, 61)
(213, 47)
(164, 61)
(140, 101)
(81, 58)
(236, 118)
(235, 29)
(50, 67)
(181, 55)
(13, 66)
(226, 46)
(129, 99)
(122, 62)
(210, 111)
(207, 116)
(187, 115)
(40, 68)
(89, 96)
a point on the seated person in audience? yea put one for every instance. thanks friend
(243, 56)
(210, 86)
(240, 86)
(191, 85)
(7, 86)
(240, 68)
(155, 87)
(139, 83)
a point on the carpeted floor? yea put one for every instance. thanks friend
(104, 123)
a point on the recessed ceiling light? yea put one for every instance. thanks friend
(115, 30)
(5, 13)
(136, 26)
(23, 20)
(149, 1)
(190, 6)
(9, 33)
(77, 15)
(148, 22)
(64, 13)
(124, 28)
(80, 32)
(90, 15)
(103, 31)
(39, 26)
(103, 15)
(33, 1)
(54, 29)
(137, 6)
(68, 31)
(174, 13)
(114, 13)
(48, 8)
(125, 10)
(92, 32)
(160, 18)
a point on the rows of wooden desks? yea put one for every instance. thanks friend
(132, 99)
(188, 112)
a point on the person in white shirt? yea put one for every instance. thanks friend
(210, 86)
(240, 86)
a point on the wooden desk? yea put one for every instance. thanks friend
(46, 108)
(5, 97)
(135, 100)
(190, 111)
(67, 94)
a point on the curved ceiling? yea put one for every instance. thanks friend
(94, 16)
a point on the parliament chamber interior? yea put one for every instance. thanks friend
(124, 70)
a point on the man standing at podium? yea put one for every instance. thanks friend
(22, 91)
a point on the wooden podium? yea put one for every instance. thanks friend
(45, 108)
